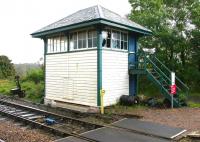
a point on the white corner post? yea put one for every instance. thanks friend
(172, 85)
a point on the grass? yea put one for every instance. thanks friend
(34, 92)
(5, 86)
(121, 109)
(193, 104)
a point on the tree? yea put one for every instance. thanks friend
(176, 36)
(6, 67)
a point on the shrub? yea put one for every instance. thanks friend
(35, 75)
(34, 92)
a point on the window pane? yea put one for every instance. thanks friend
(122, 44)
(125, 45)
(73, 41)
(90, 43)
(84, 43)
(94, 42)
(118, 35)
(75, 44)
(118, 44)
(80, 44)
(108, 43)
(90, 34)
(94, 34)
(114, 43)
(80, 35)
(122, 36)
(58, 44)
(65, 43)
(62, 44)
(54, 46)
(125, 37)
(74, 36)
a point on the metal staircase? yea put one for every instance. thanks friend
(157, 72)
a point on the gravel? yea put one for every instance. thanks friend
(187, 118)
(10, 132)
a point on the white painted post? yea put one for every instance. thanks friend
(172, 83)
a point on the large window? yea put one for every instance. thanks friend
(92, 39)
(115, 39)
(106, 38)
(57, 44)
(124, 41)
(87, 39)
(73, 41)
(83, 40)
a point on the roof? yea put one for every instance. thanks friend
(92, 15)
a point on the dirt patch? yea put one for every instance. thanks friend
(187, 118)
(10, 132)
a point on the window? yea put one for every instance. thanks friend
(83, 40)
(106, 38)
(57, 44)
(124, 41)
(50, 45)
(115, 39)
(92, 39)
(63, 44)
(73, 41)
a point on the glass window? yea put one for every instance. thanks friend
(124, 41)
(82, 39)
(63, 44)
(106, 34)
(50, 46)
(115, 39)
(73, 41)
(57, 44)
(92, 39)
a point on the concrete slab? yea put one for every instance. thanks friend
(150, 128)
(117, 135)
(113, 135)
(70, 139)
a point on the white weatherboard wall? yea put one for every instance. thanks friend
(72, 77)
(115, 78)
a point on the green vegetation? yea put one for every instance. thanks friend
(6, 68)
(193, 104)
(176, 32)
(121, 109)
(5, 86)
(32, 83)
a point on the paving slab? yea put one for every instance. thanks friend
(114, 135)
(150, 128)
(70, 139)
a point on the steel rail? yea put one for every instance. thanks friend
(51, 129)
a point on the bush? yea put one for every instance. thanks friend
(35, 75)
(34, 92)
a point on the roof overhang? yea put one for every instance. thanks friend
(89, 23)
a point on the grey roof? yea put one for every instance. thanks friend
(89, 14)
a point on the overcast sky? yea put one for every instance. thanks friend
(20, 18)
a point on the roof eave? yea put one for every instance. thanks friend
(65, 28)
(91, 22)
(130, 28)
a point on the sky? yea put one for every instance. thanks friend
(20, 18)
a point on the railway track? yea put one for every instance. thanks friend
(63, 125)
